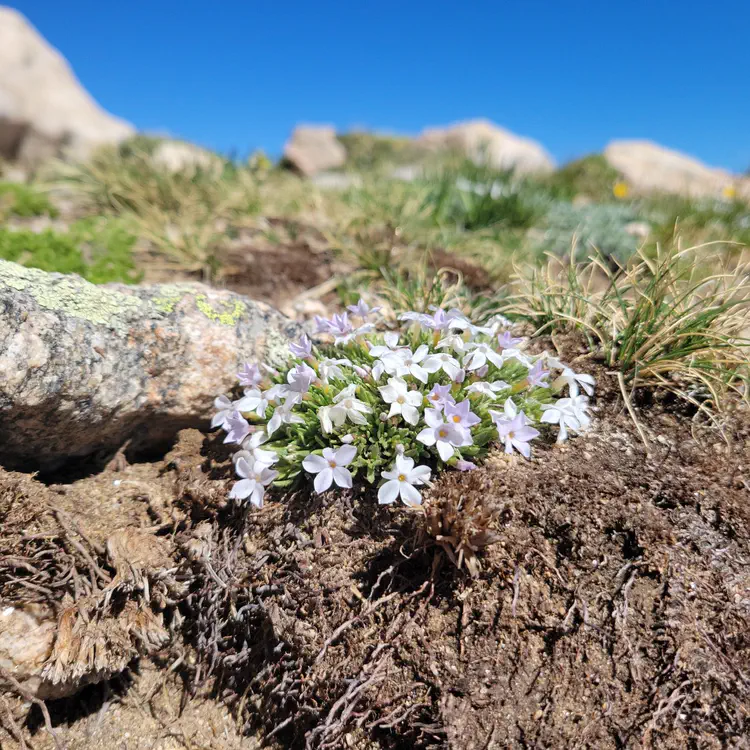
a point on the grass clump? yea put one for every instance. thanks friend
(25, 201)
(368, 152)
(661, 320)
(97, 249)
(592, 177)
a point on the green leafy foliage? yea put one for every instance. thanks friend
(96, 249)
(592, 176)
(17, 199)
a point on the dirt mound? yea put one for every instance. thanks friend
(613, 611)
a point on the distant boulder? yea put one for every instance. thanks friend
(314, 148)
(176, 156)
(486, 143)
(649, 167)
(44, 110)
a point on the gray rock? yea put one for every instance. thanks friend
(314, 148)
(44, 110)
(649, 167)
(486, 143)
(85, 368)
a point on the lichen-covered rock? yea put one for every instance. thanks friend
(85, 368)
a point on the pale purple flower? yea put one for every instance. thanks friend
(331, 467)
(225, 407)
(362, 309)
(250, 375)
(460, 376)
(506, 340)
(402, 479)
(538, 376)
(516, 433)
(300, 379)
(488, 389)
(482, 371)
(402, 400)
(439, 396)
(572, 380)
(510, 412)
(322, 325)
(237, 427)
(255, 477)
(302, 349)
(461, 414)
(340, 325)
(463, 465)
(445, 436)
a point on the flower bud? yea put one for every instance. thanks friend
(483, 370)
(460, 376)
(348, 439)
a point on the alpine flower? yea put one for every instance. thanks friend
(331, 467)
(402, 481)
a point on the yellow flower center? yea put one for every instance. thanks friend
(442, 433)
(402, 477)
(400, 399)
(456, 418)
(332, 464)
(348, 404)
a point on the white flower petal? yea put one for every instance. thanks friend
(410, 495)
(345, 455)
(314, 463)
(445, 450)
(342, 476)
(388, 492)
(323, 480)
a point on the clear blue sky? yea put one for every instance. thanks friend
(238, 74)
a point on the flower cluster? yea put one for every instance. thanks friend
(391, 408)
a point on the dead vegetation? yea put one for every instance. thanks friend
(612, 609)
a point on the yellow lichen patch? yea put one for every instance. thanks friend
(229, 316)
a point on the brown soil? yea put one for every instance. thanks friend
(612, 612)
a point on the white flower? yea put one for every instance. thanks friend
(449, 365)
(283, 415)
(347, 406)
(252, 401)
(488, 389)
(480, 353)
(569, 413)
(329, 368)
(255, 477)
(572, 380)
(251, 446)
(405, 362)
(391, 345)
(514, 432)
(402, 400)
(324, 415)
(453, 341)
(225, 408)
(401, 480)
(445, 436)
(331, 467)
